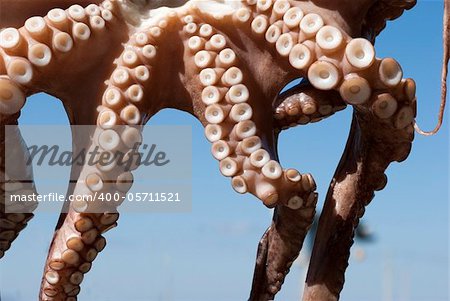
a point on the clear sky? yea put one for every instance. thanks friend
(209, 254)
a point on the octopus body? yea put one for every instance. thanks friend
(225, 62)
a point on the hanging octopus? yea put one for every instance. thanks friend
(225, 62)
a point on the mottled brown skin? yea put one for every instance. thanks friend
(183, 90)
(278, 249)
(23, 219)
(335, 237)
(372, 145)
(364, 161)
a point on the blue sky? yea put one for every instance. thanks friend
(208, 254)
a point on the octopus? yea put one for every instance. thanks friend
(224, 62)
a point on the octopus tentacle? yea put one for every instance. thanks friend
(12, 99)
(14, 215)
(17, 13)
(280, 246)
(381, 133)
(38, 48)
(121, 112)
(119, 121)
(238, 149)
(303, 105)
(42, 43)
(16, 73)
(79, 237)
(230, 125)
(334, 61)
(444, 73)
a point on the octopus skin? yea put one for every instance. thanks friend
(227, 63)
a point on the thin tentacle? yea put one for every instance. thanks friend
(444, 75)
(302, 105)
